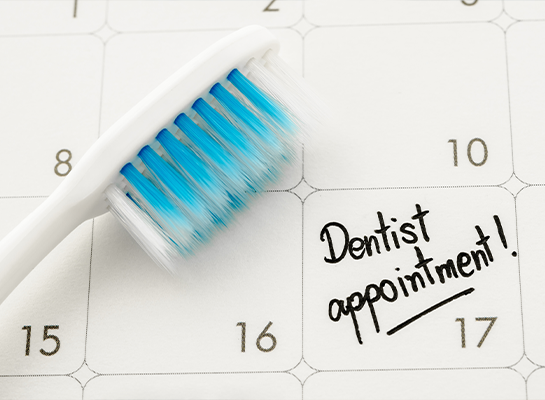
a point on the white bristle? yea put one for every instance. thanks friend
(143, 229)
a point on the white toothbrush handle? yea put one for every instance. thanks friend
(33, 239)
(80, 196)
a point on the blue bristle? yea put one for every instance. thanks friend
(248, 153)
(188, 162)
(218, 156)
(183, 193)
(258, 129)
(260, 100)
(198, 171)
(170, 217)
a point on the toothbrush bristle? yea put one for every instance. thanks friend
(195, 175)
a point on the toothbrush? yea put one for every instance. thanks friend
(182, 162)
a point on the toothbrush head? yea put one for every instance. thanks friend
(207, 163)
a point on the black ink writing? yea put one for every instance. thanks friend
(426, 273)
(357, 247)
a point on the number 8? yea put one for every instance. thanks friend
(60, 162)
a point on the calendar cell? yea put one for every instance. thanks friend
(201, 386)
(39, 388)
(411, 106)
(202, 15)
(49, 109)
(527, 92)
(531, 217)
(127, 80)
(500, 384)
(411, 279)
(35, 17)
(235, 307)
(355, 12)
(44, 318)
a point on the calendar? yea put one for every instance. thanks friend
(401, 256)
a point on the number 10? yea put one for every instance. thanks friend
(469, 154)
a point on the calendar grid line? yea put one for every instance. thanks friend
(89, 291)
(509, 102)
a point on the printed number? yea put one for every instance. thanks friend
(55, 338)
(262, 335)
(242, 336)
(485, 150)
(65, 162)
(463, 329)
(492, 321)
(469, 151)
(454, 151)
(470, 2)
(28, 329)
(268, 8)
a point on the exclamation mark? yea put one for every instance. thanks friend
(502, 234)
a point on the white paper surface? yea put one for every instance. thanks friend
(438, 131)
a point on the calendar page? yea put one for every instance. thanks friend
(400, 258)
